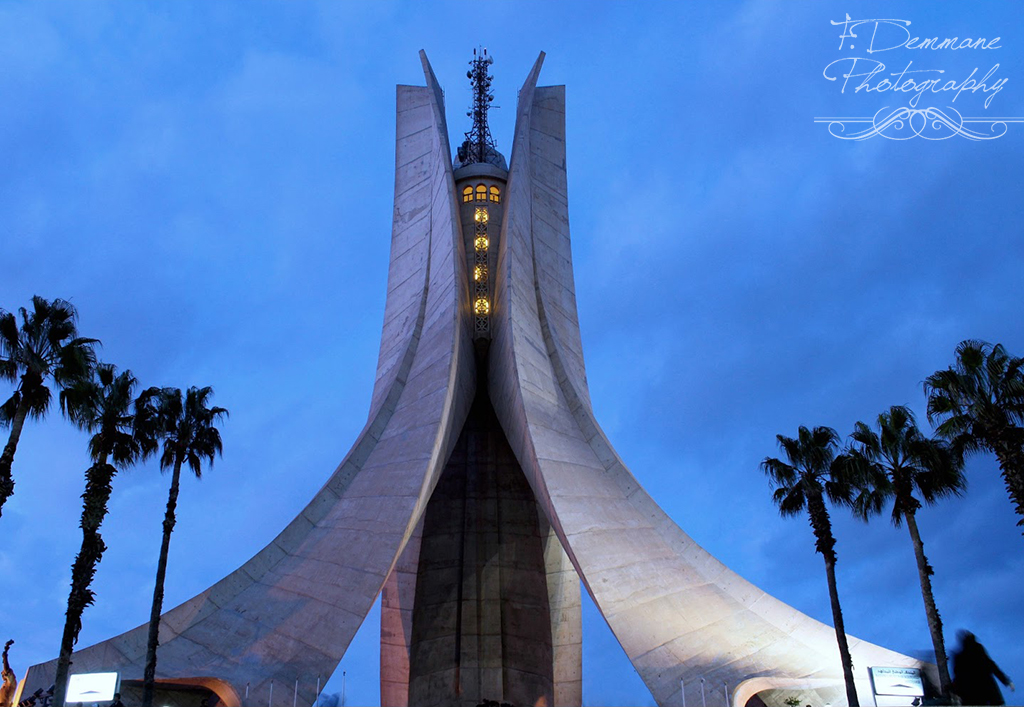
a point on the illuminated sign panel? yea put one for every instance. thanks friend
(896, 686)
(91, 687)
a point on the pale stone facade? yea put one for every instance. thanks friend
(482, 490)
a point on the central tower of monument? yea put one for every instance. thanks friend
(482, 492)
(495, 610)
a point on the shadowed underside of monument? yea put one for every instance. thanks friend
(481, 596)
(490, 605)
(482, 490)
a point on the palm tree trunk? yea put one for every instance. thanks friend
(825, 544)
(844, 647)
(924, 571)
(7, 458)
(149, 676)
(94, 508)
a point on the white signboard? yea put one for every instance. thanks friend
(897, 681)
(897, 687)
(91, 687)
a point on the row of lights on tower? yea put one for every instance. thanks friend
(481, 305)
(481, 243)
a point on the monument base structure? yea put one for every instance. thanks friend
(482, 491)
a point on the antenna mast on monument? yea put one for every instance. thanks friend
(479, 145)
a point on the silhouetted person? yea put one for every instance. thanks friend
(974, 673)
(117, 700)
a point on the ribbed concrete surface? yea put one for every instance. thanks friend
(290, 612)
(678, 613)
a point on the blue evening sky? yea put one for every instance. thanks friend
(211, 185)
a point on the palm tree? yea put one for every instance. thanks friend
(187, 426)
(103, 405)
(814, 472)
(905, 462)
(979, 405)
(45, 346)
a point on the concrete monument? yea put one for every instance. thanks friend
(482, 491)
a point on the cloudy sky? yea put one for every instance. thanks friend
(211, 184)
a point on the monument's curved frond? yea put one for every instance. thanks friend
(288, 614)
(681, 615)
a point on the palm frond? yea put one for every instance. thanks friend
(909, 464)
(869, 502)
(103, 404)
(45, 346)
(38, 400)
(791, 447)
(780, 473)
(839, 491)
(810, 454)
(9, 409)
(870, 445)
(789, 500)
(188, 427)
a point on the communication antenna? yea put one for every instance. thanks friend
(479, 145)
